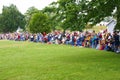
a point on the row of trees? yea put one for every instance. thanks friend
(67, 14)
(33, 20)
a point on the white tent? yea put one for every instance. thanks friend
(19, 30)
(111, 25)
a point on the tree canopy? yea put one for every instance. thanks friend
(97, 10)
(76, 14)
(68, 14)
(28, 15)
(11, 19)
(39, 23)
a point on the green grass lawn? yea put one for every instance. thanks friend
(36, 61)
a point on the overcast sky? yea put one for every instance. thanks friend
(23, 5)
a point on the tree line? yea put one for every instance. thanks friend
(66, 14)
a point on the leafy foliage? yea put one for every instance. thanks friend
(51, 11)
(11, 19)
(97, 10)
(68, 14)
(76, 14)
(39, 23)
(28, 15)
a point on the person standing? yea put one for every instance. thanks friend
(116, 41)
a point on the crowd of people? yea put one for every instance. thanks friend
(101, 41)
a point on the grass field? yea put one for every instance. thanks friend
(36, 61)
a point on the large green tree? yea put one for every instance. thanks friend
(97, 10)
(28, 15)
(39, 22)
(11, 19)
(51, 12)
(76, 14)
(68, 14)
